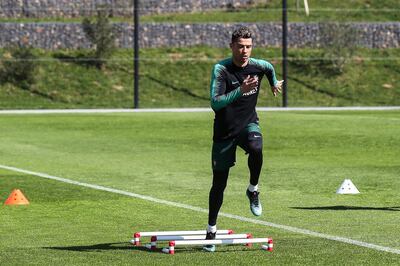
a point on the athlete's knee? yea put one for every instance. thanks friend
(255, 148)
(219, 181)
(255, 143)
(218, 187)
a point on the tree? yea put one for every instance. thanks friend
(100, 34)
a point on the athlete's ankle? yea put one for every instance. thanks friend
(252, 188)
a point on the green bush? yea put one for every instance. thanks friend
(100, 33)
(18, 66)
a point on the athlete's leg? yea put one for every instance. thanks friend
(251, 142)
(223, 157)
(216, 197)
(255, 159)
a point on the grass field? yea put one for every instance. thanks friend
(167, 156)
(180, 77)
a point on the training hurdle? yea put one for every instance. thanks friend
(136, 236)
(173, 244)
(154, 239)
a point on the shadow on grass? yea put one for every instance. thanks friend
(126, 246)
(318, 68)
(182, 90)
(80, 59)
(220, 249)
(36, 92)
(349, 208)
(100, 247)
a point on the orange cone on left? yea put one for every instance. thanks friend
(16, 198)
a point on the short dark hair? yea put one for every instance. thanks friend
(241, 32)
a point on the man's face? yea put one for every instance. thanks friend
(241, 51)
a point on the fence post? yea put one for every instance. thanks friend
(284, 54)
(136, 54)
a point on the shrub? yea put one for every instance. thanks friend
(100, 34)
(19, 66)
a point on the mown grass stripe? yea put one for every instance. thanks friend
(198, 209)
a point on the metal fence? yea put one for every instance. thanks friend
(333, 58)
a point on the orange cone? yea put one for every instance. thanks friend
(16, 198)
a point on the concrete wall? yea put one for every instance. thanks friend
(61, 35)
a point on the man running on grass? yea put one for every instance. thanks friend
(235, 84)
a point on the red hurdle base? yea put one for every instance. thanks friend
(154, 239)
(172, 244)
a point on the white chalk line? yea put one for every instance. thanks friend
(198, 209)
(194, 110)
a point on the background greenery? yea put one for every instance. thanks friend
(179, 77)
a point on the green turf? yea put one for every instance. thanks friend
(180, 77)
(166, 156)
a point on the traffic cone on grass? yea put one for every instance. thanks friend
(16, 198)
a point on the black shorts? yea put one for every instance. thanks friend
(224, 152)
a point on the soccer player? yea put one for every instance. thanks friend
(234, 89)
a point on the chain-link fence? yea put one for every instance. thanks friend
(79, 54)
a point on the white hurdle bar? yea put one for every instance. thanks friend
(172, 244)
(154, 239)
(136, 236)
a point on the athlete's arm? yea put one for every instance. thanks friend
(218, 95)
(269, 71)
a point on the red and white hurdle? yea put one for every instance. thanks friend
(154, 239)
(136, 236)
(172, 244)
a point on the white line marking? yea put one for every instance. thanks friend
(195, 110)
(198, 209)
(106, 111)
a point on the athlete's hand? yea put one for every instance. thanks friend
(278, 88)
(249, 83)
